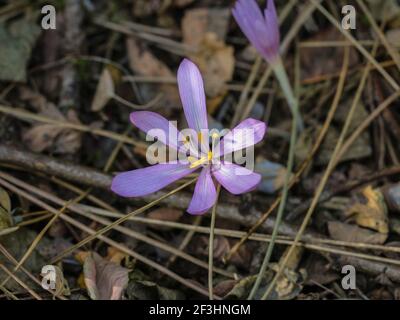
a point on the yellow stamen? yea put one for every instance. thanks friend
(215, 135)
(195, 163)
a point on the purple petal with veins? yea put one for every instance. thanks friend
(246, 134)
(236, 179)
(141, 182)
(204, 195)
(156, 126)
(262, 31)
(191, 90)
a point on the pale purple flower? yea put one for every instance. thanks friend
(261, 30)
(234, 178)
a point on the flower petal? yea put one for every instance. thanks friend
(156, 126)
(204, 195)
(191, 90)
(272, 23)
(141, 182)
(262, 32)
(236, 179)
(247, 133)
(251, 21)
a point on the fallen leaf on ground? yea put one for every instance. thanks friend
(196, 23)
(104, 280)
(17, 243)
(224, 287)
(329, 59)
(105, 91)
(204, 30)
(144, 63)
(216, 62)
(393, 37)
(369, 210)
(353, 233)
(319, 271)
(51, 137)
(115, 255)
(141, 288)
(165, 214)
(6, 220)
(17, 40)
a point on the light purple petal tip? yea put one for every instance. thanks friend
(272, 23)
(236, 179)
(262, 31)
(141, 182)
(246, 134)
(156, 126)
(204, 195)
(191, 90)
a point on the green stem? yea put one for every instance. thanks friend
(281, 75)
(211, 247)
(297, 124)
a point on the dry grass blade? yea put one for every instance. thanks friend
(360, 48)
(392, 51)
(21, 283)
(304, 165)
(71, 205)
(121, 220)
(28, 116)
(105, 239)
(324, 179)
(30, 275)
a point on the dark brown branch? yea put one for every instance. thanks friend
(90, 177)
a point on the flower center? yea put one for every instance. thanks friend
(198, 162)
(194, 162)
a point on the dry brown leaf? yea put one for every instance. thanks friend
(393, 37)
(319, 270)
(144, 63)
(115, 255)
(224, 287)
(216, 62)
(353, 233)
(289, 284)
(196, 23)
(104, 280)
(105, 91)
(5, 201)
(214, 103)
(205, 30)
(42, 137)
(221, 246)
(165, 214)
(329, 59)
(5, 211)
(370, 210)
